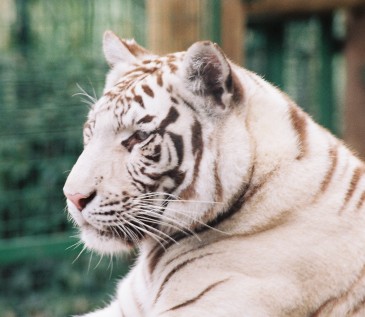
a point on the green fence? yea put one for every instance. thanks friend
(303, 57)
(47, 47)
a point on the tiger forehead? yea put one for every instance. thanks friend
(135, 91)
(149, 68)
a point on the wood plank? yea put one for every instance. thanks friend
(173, 24)
(355, 82)
(233, 29)
(275, 7)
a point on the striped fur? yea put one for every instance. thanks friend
(239, 203)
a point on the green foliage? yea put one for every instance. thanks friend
(52, 47)
(47, 47)
(299, 56)
(58, 288)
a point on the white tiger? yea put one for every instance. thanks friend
(239, 204)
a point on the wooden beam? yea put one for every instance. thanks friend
(7, 19)
(233, 20)
(355, 83)
(279, 7)
(173, 24)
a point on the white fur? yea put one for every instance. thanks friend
(286, 252)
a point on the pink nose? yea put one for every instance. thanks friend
(80, 200)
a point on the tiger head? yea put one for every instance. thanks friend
(166, 147)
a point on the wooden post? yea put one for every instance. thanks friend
(275, 7)
(173, 25)
(355, 90)
(233, 22)
(7, 18)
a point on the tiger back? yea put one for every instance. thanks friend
(238, 202)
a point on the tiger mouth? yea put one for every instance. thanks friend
(128, 233)
(113, 235)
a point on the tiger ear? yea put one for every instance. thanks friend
(117, 50)
(209, 74)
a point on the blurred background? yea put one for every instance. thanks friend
(50, 51)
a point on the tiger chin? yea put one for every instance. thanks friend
(238, 202)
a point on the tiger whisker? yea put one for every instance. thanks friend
(184, 230)
(87, 102)
(151, 234)
(101, 258)
(142, 210)
(74, 245)
(92, 87)
(116, 233)
(152, 228)
(78, 256)
(69, 218)
(89, 264)
(75, 236)
(186, 201)
(161, 208)
(160, 223)
(165, 222)
(127, 232)
(197, 220)
(84, 93)
(157, 194)
(110, 265)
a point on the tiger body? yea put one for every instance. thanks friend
(239, 203)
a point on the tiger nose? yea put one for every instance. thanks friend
(79, 200)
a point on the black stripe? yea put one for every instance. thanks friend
(139, 100)
(179, 146)
(188, 104)
(199, 296)
(156, 155)
(243, 194)
(196, 137)
(157, 252)
(197, 149)
(135, 181)
(179, 267)
(170, 118)
(147, 90)
(146, 119)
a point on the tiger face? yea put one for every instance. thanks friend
(156, 159)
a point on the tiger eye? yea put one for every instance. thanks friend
(141, 135)
(135, 138)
